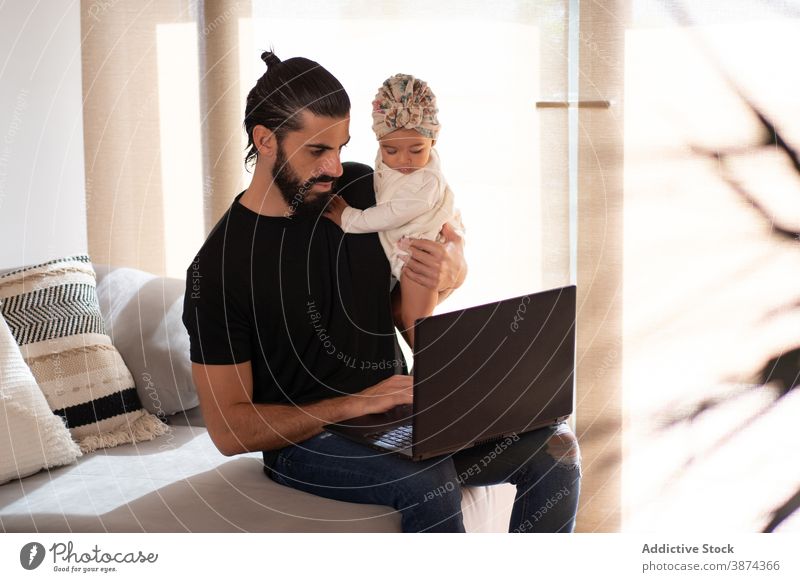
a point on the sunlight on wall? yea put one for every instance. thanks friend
(181, 145)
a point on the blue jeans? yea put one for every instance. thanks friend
(544, 465)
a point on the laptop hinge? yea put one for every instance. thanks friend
(489, 440)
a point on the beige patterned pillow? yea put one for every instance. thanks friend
(53, 313)
(31, 436)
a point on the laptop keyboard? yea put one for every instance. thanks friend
(399, 437)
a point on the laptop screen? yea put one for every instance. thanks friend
(495, 369)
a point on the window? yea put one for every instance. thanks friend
(488, 64)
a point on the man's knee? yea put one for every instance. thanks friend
(436, 483)
(433, 499)
(542, 449)
(449, 491)
(563, 447)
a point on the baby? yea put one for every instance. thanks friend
(412, 197)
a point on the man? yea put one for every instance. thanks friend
(292, 328)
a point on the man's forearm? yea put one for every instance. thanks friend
(262, 427)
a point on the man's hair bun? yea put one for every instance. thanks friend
(298, 84)
(270, 58)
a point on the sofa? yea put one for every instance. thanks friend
(179, 482)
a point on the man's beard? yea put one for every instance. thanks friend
(296, 192)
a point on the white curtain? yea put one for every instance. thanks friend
(162, 127)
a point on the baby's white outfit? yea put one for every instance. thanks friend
(414, 205)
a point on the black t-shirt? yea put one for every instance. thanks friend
(308, 305)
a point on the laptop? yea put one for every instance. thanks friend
(481, 374)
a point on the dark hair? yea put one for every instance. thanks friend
(287, 88)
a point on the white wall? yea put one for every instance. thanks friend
(42, 188)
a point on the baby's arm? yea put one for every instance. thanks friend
(401, 208)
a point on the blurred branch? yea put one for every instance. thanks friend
(784, 371)
(783, 512)
(705, 405)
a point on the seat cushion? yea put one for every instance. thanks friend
(181, 483)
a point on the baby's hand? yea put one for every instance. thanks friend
(335, 209)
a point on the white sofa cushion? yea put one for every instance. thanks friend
(31, 436)
(143, 314)
(181, 483)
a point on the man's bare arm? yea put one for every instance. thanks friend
(237, 425)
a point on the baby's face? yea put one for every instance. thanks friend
(405, 150)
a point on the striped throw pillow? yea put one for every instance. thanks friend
(53, 313)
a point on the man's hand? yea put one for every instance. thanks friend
(335, 209)
(435, 265)
(395, 390)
